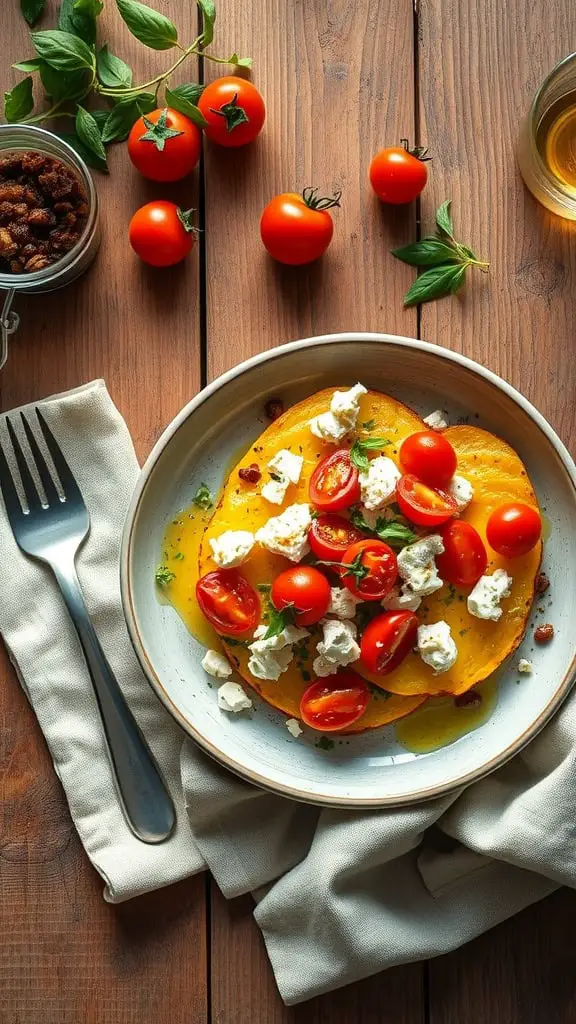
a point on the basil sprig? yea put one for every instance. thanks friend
(446, 259)
(358, 450)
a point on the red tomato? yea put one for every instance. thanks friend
(423, 505)
(464, 558)
(430, 457)
(387, 640)
(334, 484)
(334, 703)
(164, 145)
(398, 174)
(305, 589)
(234, 110)
(296, 228)
(369, 569)
(228, 601)
(330, 536)
(161, 233)
(514, 529)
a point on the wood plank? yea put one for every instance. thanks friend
(65, 955)
(490, 58)
(337, 84)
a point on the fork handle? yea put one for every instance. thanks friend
(145, 800)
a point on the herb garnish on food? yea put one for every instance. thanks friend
(164, 576)
(394, 531)
(279, 620)
(203, 498)
(358, 450)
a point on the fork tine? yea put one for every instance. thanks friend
(69, 485)
(28, 484)
(43, 471)
(9, 492)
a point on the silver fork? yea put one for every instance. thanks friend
(52, 531)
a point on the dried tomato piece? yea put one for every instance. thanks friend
(250, 474)
(274, 408)
(544, 633)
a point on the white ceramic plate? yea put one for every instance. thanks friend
(372, 769)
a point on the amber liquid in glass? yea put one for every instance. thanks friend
(556, 141)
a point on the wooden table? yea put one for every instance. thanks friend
(341, 79)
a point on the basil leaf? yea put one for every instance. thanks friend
(151, 28)
(240, 62)
(208, 18)
(32, 9)
(62, 50)
(79, 19)
(435, 283)
(358, 457)
(88, 132)
(278, 620)
(59, 85)
(190, 91)
(87, 155)
(125, 114)
(100, 116)
(112, 71)
(429, 252)
(395, 534)
(179, 101)
(28, 66)
(91, 8)
(18, 103)
(444, 218)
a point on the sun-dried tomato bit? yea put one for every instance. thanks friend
(274, 408)
(543, 634)
(250, 474)
(542, 583)
(470, 699)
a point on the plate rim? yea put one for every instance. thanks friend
(130, 616)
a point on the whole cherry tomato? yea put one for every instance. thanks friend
(429, 456)
(306, 590)
(296, 228)
(398, 174)
(234, 110)
(161, 233)
(514, 529)
(369, 569)
(334, 703)
(228, 601)
(334, 484)
(330, 536)
(164, 145)
(387, 640)
(464, 558)
(424, 505)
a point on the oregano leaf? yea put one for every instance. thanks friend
(150, 27)
(19, 102)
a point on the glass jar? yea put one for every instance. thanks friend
(29, 138)
(556, 94)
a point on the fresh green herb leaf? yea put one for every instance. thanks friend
(63, 85)
(314, 514)
(87, 155)
(240, 62)
(357, 519)
(444, 219)
(91, 8)
(429, 252)
(397, 535)
(150, 27)
(325, 743)
(123, 115)
(32, 9)
(158, 132)
(28, 66)
(179, 100)
(279, 620)
(203, 498)
(18, 103)
(100, 116)
(434, 284)
(208, 18)
(190, 91)
(368, 425)
(164, 576)
(264, 588)
(112, 71)
(358, 451)
(79, 23)
(88, 132)
(178, 557)
(62, 50)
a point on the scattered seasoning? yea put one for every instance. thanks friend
(463, 632)
(542, 583)
(164, 576)
(276, 477)
(469, 699)
(451, 595)
(178, 557)
(368, 425)
(250, 474)
(203, 498)
(543, 634)
(325, 743)
(274, 408)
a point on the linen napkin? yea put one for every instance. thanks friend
(45, 650)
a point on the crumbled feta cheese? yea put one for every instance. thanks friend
(378, 482)
(294, 727)
(484, 600)
(289, 635)
(285, 469)
(436, 646)
(437, 420)
(270, 658)
(337, 648)
(344, 409)
(232, 547)
(287, 533)
(461, 490)
(231, 697)
(401, 599)
(342, 603)
(525, 666)
(417, 567)
(215, 664)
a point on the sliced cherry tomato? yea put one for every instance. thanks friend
(305, 589)
(398, 174)
(464, 558)
(330, 536)
(334, 703)
(334, 484)
(297, 229)
(164, 145)
(234, 110)
(369, 569)
(387, 640)
(514, 529)
(423, 505)
(228, 601)
(429, 456)
(161, 233)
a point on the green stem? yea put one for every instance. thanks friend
(48, 113)
(217, 60)
(122, 93)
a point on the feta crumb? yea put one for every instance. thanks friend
(401, 599)
(285, 469)
(344, 409)
(484, 599)
(270, 658)
(287, 533)
(378, 482)
(337, 648)
(525, 666)
(437, 420)
(436, 646)
(232, 548)
(294, 727)
(461, 490)
(215, 664)
(417, 567)
(231, 697)
(342, 603)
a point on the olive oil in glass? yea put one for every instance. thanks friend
(556, 141)
(547, 142)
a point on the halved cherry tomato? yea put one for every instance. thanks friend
(334, 484)
(234, 110)
(398, 174)
(369, 569)
(423, 505)
(334, 703)
(430, 457)
(514, 529)
(330, 536)
(464, 558)
(305, 589)
(387, 640)
(228, 601)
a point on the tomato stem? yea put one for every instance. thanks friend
(420, 152)
(315, 202)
